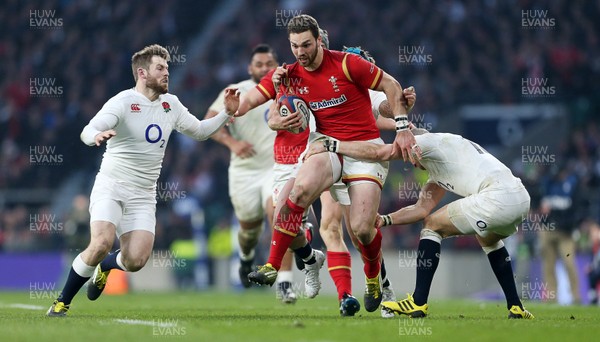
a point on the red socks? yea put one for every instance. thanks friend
(339, 264)
(371, 255)
(287, 226)
(289, 218)
(279, 245)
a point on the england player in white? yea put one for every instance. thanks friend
(494, 202)
(136, 123)
(250, 141)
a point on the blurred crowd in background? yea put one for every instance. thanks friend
(480, 51)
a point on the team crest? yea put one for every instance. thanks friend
(166, 106)
(333, 81)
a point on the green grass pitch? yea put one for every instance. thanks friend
(257, 316)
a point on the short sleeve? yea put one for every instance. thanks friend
(359, 71)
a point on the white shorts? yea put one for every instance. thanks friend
(249, 192)
(126, 206)
(357, 171)
(498, 208)
(282, 173)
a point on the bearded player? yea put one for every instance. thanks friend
(337, 85)
(136, 124)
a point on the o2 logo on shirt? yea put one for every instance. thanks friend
(154, 135)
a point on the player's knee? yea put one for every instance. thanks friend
(300, 194)
(250, 234)
(430, 234)
(490, 247)
(134, 263)
(99, 248)
(331, 235)
(363, 235)
(430, 224)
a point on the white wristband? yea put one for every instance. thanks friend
(401, 123)
(331, 145)
(387, 220)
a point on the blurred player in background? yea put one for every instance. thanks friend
(136, 123)
(494, 203)
(251, 141)
(335, 86)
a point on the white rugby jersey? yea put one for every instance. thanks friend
(253, 128)
(143, 128)
(457, 164)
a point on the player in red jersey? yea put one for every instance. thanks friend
(335, 85)
(288, 149)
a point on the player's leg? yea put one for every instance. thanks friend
(105, 215)
(246, 191)
(284, 289)
(365, 181)
(365, 198)
(136, 237)
(307, 186)
(102, 235)
(248, 236)
(338, 257)
(436, 227)
(282, 184)
(500, 261)
(136, 247)
(387, 292)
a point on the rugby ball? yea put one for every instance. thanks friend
(289, 104)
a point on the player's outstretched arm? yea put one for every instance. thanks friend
(202, 130)
(361, 150)
(431, 194)
(242, 149)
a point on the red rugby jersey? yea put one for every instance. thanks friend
(337, 95)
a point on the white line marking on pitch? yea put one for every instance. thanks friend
(25, 306)
(150, 323)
